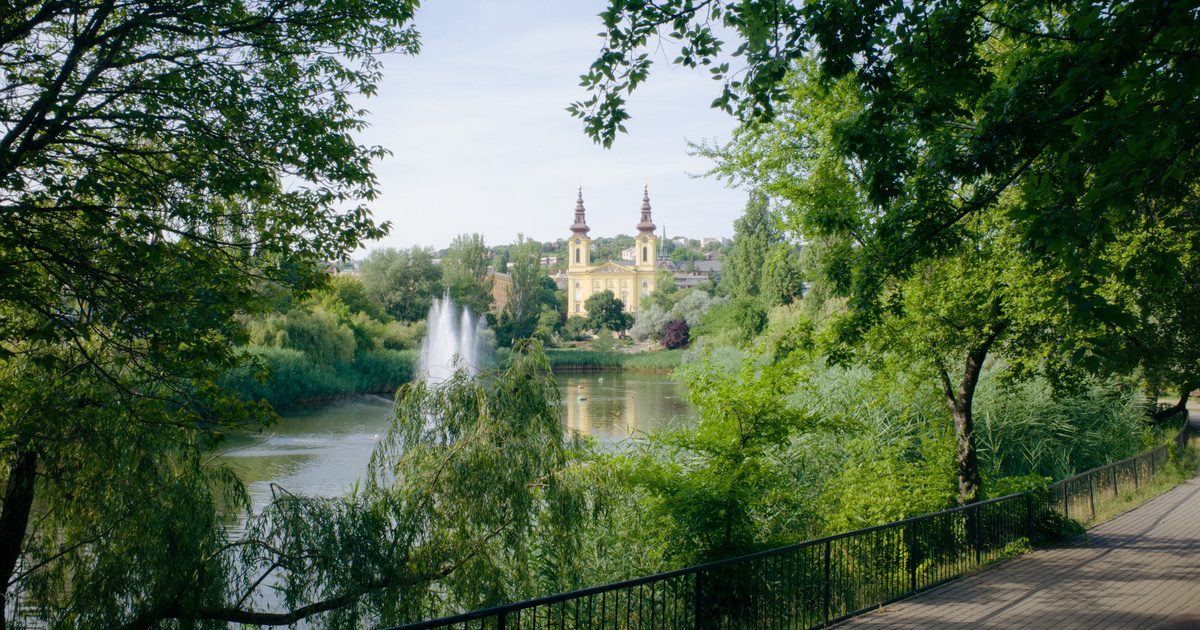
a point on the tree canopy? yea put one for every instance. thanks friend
(1076, 114)
(163, 166)
(404, 281)
(605, 311)
(465, 272)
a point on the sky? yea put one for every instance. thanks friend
(481, 140)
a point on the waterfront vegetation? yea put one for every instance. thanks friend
(940, 291)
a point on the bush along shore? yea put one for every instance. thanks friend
(563, 360)
(289, 378)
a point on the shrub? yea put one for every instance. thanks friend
(603, 341)
(675, 334)
(575, 329)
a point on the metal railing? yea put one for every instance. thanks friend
(820, 582)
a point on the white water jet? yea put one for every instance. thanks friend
(452, 342)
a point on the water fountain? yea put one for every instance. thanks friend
(452, 342)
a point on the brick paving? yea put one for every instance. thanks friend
(1139, 570)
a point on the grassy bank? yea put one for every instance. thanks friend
(569, 360)
(293, 379)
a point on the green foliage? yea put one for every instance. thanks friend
(689, 306)
(605, 311)
(1029, 427)
(167, 167)
(724, 488)
(734, 322)
(603, 342)
(465, 272)
(755, 238)
(404, 281)
(317, 333)
(589, 360)
(352, 292)
(575, 329)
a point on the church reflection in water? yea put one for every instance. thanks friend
(612, 406)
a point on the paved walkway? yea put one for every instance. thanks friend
(1139, 570)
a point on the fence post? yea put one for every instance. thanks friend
(910, 545)
(1136, 464)
(500, 622)
(1066, 486)
(976, 525)
(1029, 514)
(1091, 496)
(827, 581)
(1116, 493)
(697, 602)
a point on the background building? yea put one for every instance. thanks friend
(629, 280)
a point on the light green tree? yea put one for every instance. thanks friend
(465, 273)
(404, 281)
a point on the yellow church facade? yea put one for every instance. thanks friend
(631, 281)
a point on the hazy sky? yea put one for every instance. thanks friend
(482, 142)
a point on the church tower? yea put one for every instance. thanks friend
(647, 242)
(579, 249)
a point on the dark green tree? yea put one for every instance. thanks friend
(163, 166)
(404, 281)
(754, 239)
(604, 310)
(1084, 112)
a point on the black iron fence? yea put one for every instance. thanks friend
(819, 582)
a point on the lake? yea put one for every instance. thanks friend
(323, 451)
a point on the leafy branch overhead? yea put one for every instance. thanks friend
(1066, 118)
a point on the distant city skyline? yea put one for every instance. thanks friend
(482, 142)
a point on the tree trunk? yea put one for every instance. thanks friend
(959, 400)
(1166, 413)
(14, 519)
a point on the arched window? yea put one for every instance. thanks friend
(576, 255)
(645, 256)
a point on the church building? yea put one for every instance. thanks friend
(631, 281)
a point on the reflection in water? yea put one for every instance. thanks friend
(324, 451)
(614, 406)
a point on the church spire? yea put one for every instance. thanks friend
(646, 226)
(580, 227)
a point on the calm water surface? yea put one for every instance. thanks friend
(323, 451)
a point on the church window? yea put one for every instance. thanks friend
(576, 255)
(576, 307)
(645, 255)
(576, 284)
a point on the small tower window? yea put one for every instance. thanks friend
(576, 255)
(645, 256)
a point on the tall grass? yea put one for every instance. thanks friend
(1029, 428)
(562, 360)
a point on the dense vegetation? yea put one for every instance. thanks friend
(997, 204)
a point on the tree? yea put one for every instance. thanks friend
(754, 238)
(782, 276)
(350, 291)
(1074, 129)
(604, 310)
(675, 334)
(465, 271)
(404, 281)
(525, 267)
(163, 165)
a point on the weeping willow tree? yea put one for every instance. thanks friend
(472, 498)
